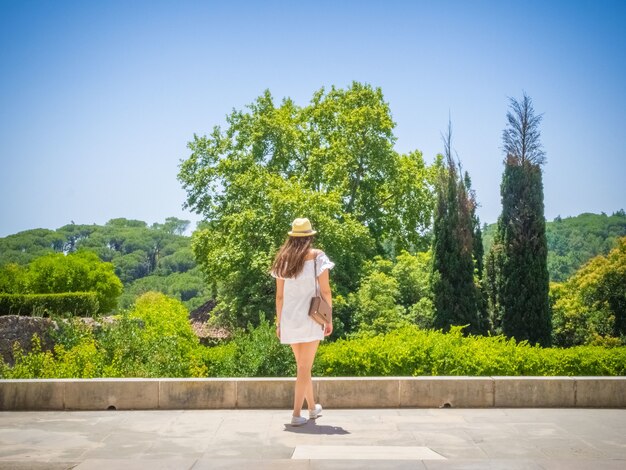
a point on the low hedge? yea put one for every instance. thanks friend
(83, 304)
(411, 351)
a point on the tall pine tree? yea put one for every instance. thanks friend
(455, 293)
(517, 266)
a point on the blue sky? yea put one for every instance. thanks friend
(99, 99)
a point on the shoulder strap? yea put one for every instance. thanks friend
(317, 288)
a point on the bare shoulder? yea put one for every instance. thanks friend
(313, 253)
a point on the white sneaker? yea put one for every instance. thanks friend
(298, 420)
(314, 413)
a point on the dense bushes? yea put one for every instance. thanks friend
(256, 353)
(590, 307)
(410, 351)
(84, 304)
(152, 340)
(56, 273)
(155, 339)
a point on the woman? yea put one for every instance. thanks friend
(295, 286)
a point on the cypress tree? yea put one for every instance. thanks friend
(478, 250)
(453, 266)
(522, 289)
(478, 253)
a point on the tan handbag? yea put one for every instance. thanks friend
(319, 310)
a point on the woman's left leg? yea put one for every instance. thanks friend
(304, 354)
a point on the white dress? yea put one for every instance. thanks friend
(295, 324)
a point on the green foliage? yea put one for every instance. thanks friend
(13, 279)
(456, 296)
(573, 241)
(331, 161)
(377, 308)
(591, 305)
(255, 353)
(152, 340)
(81, 361)
(412, 272)
(56, 273)
(411, 351)
(238, 251)
(133, 346)
(391, 294)
(83, 304)
(341, 142)
(165, 344)
(492, 284)
(23, 247)
(189, 287)
(523, 295)
(518, 294)
(158, 257)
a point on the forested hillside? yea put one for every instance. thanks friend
(572, 241)
(146, 258)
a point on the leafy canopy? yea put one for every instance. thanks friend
(332, 161)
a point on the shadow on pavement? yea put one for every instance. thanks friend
(311, 427)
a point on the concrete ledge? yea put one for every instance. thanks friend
(264, 393)
(353, 392)
(197, 394)
(31, 395)
(601, 392)
(534, 392)
(444, 392)
(118, 394)
(340, 392)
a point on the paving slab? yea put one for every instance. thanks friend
(516, 438)
(360, 452)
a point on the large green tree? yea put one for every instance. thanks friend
(523, 285)
(332, 161)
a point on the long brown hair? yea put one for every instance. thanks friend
(291, 256)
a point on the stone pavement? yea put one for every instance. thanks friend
(353, 439)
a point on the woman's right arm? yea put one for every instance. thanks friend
(280, 289)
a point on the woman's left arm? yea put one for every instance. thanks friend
(324, 281)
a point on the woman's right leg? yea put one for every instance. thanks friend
(304, 354)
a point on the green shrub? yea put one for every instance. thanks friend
(154, 339)
(83, 304)
(256, 353)
(82, 361)
(410, 351)
(56, 273)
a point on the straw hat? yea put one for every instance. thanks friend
(301, 228)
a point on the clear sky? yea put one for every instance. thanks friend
(98, 99)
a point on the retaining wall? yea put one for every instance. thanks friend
(348, 392)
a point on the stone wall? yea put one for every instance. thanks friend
(20, 329)
(346, 392)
